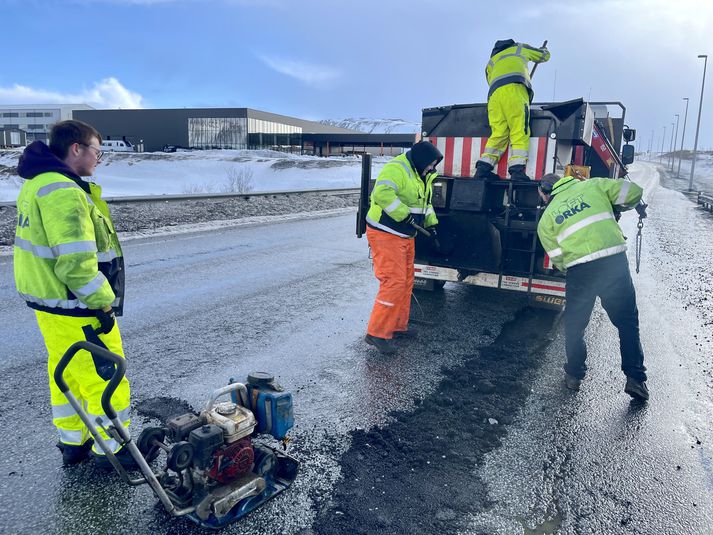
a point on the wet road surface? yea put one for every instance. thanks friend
(468, 429)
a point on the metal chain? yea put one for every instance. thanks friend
(639, 238)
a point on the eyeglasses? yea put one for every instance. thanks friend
(97, 152)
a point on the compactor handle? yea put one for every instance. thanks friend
(240, 387)
(119, 372)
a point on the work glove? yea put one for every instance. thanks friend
(434, 239)
(641, 209)
(107, 321)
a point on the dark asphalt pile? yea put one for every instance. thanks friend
(416, 475)
(133, 216)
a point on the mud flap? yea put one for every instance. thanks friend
(550, 302)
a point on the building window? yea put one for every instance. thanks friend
(11, 114)
(217, 132)
(48, 114)
(35, 127)
(34, 114)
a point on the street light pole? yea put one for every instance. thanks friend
(651, 144)
(683, 134)
(663, 140)
(673, 143)
(698, 124)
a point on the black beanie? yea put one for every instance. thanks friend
(502, 45)
(423, 153)
(548, 181)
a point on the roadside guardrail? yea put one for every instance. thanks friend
(217, 196)
(706, 201)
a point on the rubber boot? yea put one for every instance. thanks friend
(72, 454)
(517, 173)
(485, 171)
(384, 346)
(123, 456)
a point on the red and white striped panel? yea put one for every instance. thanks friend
(461, 153)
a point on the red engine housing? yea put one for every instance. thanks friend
(232, 461)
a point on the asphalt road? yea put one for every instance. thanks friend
(467, 430)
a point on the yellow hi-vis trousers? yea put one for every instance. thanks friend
(509, 118)
(81, 376)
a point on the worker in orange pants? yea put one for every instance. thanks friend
(400, 201)
(393, 266)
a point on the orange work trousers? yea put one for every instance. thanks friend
(393, 265)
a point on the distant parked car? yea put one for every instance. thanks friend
(116, 145)
(169, 148)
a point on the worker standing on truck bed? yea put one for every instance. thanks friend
(69, 268)
(401, 198)
(509, 97)
(579, 232)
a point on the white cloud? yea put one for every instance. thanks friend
(107, 93)
(308, 73)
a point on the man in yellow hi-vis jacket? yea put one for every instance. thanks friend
(69, 268)
(579, 232)
(509, 97)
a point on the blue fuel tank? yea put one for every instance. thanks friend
(271, 405)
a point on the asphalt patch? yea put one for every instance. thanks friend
(163, 408)
(419, 473)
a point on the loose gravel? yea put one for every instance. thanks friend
(160, 214)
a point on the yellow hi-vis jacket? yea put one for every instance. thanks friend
(67, 256)
(399, 192)
(509, 66)
(578, 224)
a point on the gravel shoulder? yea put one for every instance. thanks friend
(133, 217)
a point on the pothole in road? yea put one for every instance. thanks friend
(418, 473)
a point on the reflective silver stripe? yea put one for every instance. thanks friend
(63, 411)
(516, 75)
(383, 182)
(430, 211)
(112, 444)
(489, 159)
(625, 187)
(393, 206)
(579, 225)
(107, 256)
(492, 150)
(554, 253)
(49, 188)
(92, 286)
(40, 251)
(417, 210)
(599, 254)
(122, 415)
(53, 303)
(75, 247)
(520, 152)
(70, 437)
(385, 228)
(385, 303)
(116, 302)
(491, 64)
(406, 167)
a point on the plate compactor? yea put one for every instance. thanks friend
(218, 469)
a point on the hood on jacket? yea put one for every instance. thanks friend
(422, 154)
(502, 45)
(37, 158)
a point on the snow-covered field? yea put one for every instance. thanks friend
(158, 173)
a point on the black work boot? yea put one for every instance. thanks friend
(123, 456)
(517, 173)
(637, 389)
(571, 382)
(410, 334)
(384, 346)
(484, 170)
(73, 454)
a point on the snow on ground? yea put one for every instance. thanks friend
(158, 173)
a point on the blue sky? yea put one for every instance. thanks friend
(330, 59)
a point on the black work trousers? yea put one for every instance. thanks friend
(610, 280)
